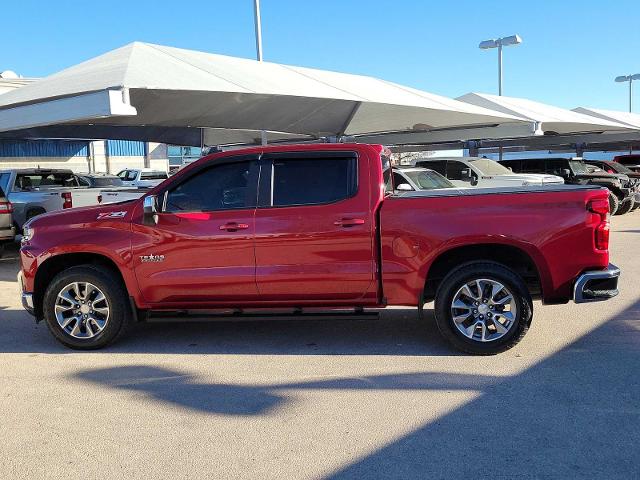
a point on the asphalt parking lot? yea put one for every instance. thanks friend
(328, 399)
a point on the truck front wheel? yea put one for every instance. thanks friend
(86, 307)
(483, 308)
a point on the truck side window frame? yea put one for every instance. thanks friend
(268, 168)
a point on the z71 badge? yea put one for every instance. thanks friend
(103, 216)
(151, 258)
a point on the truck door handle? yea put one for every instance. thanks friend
(233, 226)
(348, 222)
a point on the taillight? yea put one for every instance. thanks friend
(600, 207)
(68, 202)
(6, 207)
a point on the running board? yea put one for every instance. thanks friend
(199, 315)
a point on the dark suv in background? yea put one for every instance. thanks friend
(575, 172)
(610, 166)
(631, 161)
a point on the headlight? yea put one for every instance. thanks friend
(27, 233)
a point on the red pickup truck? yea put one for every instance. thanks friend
(309, 227)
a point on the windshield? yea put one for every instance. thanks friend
(428, 180)
(578, 167)
(486, 166)
(153, 176)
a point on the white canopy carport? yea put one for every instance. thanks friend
(626, 118)
(156, 93)
(549, 119)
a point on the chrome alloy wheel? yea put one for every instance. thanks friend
(82, 310)
(483, 310)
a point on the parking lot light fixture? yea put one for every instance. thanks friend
(499, 43)
(630, 79)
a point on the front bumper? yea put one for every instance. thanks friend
(27, 297)
(597, 285)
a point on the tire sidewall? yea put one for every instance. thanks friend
(492, 271)
(116, 298)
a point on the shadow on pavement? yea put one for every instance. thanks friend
(573, 415)
(233, 399)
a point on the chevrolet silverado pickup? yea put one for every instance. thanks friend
(308, 228)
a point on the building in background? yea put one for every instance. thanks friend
(108, 156)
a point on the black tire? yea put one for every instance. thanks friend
(119, 319)
(614, 203)
(635, 206)
(455, 280)
(625, 206)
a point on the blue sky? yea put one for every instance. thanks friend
(572, 50)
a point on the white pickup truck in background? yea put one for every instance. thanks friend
(103, 188)
(484, 173)
(142, 177)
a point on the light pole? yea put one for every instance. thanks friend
(630, 79)
(499, 43)
(258, 26)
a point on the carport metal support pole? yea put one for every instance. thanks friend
(500, 86)
(500, 70)
(258, 26)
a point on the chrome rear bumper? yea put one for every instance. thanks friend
(597, 285)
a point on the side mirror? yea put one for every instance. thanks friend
(150, 209)
(404, 187)
(566, 172)
(466, 175)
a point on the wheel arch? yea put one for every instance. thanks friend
(530, 268)
(58, 263)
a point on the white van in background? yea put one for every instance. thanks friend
(484, 173)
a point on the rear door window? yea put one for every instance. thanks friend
(439, 166)
(312, 181)
(454, 169)
(535, 165)
(555, 166)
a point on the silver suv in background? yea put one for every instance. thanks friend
(35, 191)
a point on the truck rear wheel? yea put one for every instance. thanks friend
(614, 203)
(86, 307)
(483, 308)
